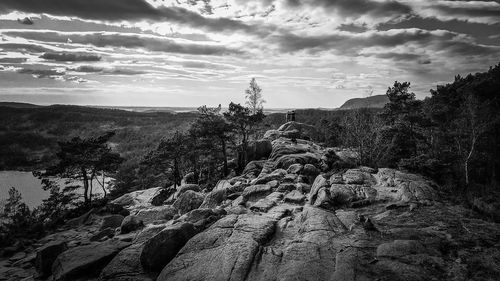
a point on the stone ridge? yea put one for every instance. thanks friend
(294, 215)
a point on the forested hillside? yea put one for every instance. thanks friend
(29, 135)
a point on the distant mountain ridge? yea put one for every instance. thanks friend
(371, 102)
(19, 104)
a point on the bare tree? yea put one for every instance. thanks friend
(478, 121)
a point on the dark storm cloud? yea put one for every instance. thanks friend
(129, 10)
(87, 69)
(67, 56)
(106, 71)
(126, 40)
(351, 44)
(13, 60)
(24, 47)
(356, 7)
(41, 73)
(352, 28)
(406, 57)
(123, 71)
(463, 8)
(206, 65)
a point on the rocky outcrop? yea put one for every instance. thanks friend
(292, 130)
(304, 213)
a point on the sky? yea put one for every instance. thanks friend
(303, 53)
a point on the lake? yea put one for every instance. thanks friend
(30, 187)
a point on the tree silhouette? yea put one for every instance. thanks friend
(84, 160)
(254, 98)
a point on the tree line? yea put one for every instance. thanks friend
(451, 136)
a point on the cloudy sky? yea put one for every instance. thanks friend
(303, 53)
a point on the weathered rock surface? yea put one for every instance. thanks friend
(138, 198)
(126, 266)
(292, 129)
(111, 221)
(131, 223)
(189, 200)
(85, 261)
(214, 198)
(47, 254)
(295, 196)
(259, 149)
(161, 248)
(156, 213)
(305, 213)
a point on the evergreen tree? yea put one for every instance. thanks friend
(84, 160)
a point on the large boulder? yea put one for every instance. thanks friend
(131, 223)
(256, 191)
(295, 197)
(254, 168)
(46, 255)
(157, 213)
(319, 182)
(264, 204)
(85, 261)
(259, 149)
(111, 221)
(295, 168)
(405, 187)
(358, 176)
(103, 234)
(183, 188)
(292, 130)
(138, 198)
(261, 247)
(225, 251)
(265, 178)
(126, 266)
(305, 131)
(214, 198)
(345, 194)
(188, 201)
(162, 248)
(162, 196)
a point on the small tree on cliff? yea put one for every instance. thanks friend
(169, 155)
(253, 96)
(242, 122)
(83, 160)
